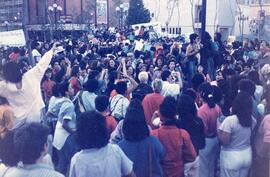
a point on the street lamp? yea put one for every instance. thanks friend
(55, 9)
(242, 19)
(121, 11)
(6, 24)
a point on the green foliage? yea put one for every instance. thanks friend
(137, 13)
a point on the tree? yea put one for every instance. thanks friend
(137, 13)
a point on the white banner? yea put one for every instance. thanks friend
(102, 11)
(12, 38)
(156, 26)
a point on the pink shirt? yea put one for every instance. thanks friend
(209, 117)
(263, 136)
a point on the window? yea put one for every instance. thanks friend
(198, 11)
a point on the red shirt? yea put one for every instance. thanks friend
(179, 149)
(14, 56)
(111, 124)
(151, 103)
(75, 84)
(47, 86)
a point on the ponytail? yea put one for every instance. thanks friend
(209, 99)
(206, 93)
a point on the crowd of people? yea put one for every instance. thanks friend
(135, 103)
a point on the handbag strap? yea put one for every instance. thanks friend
(80, 99)
(114, 104)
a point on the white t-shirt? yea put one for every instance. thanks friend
(119, 105)
(11, 171)
(66, 112)
(240, 136)
(27, 101)
(88, 100)
(169, 89)
(106, 162)
(258, 93)
(36, 55)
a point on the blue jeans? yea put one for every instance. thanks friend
(210, 67)
(65, 154)
(191, 69)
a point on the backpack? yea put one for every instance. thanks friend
(78, 104)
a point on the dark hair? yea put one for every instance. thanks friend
(49, 70)
(135, 104)
(172, 60)
(121, 87)
(16, 50)
(191, 93)
(63, 88)
(101, 103)
(91, 85)
(247, 85)
(197, 80)
(92, 131)
(12, 72)
(93, 74)
(60, 75)
(30, 140)
(165, 74)
(22, 52)
(186, 107)
(8, 153)
(75, 71)
(192, 37)
(134, 125)
(229, 72)
(254, 76)
(206, 93)
(242, 108)
(68, 48)
(55, 90)
(35, 44)
(207, 36)
(217, 93)
(168, 107)
(159, 57)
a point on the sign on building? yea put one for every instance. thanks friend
(12, 38)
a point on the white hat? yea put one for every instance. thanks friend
(60, 49)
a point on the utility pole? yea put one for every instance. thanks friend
(25, 21)
(82, 18)
(203, 19)
(203, 28)
(95, 13)
(108, 14)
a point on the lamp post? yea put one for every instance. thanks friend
(242, 19)
(6, 24)
(55, 9)
(121, 11)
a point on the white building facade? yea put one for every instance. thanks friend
(222, 15)
(185, 14)
(256, 23)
